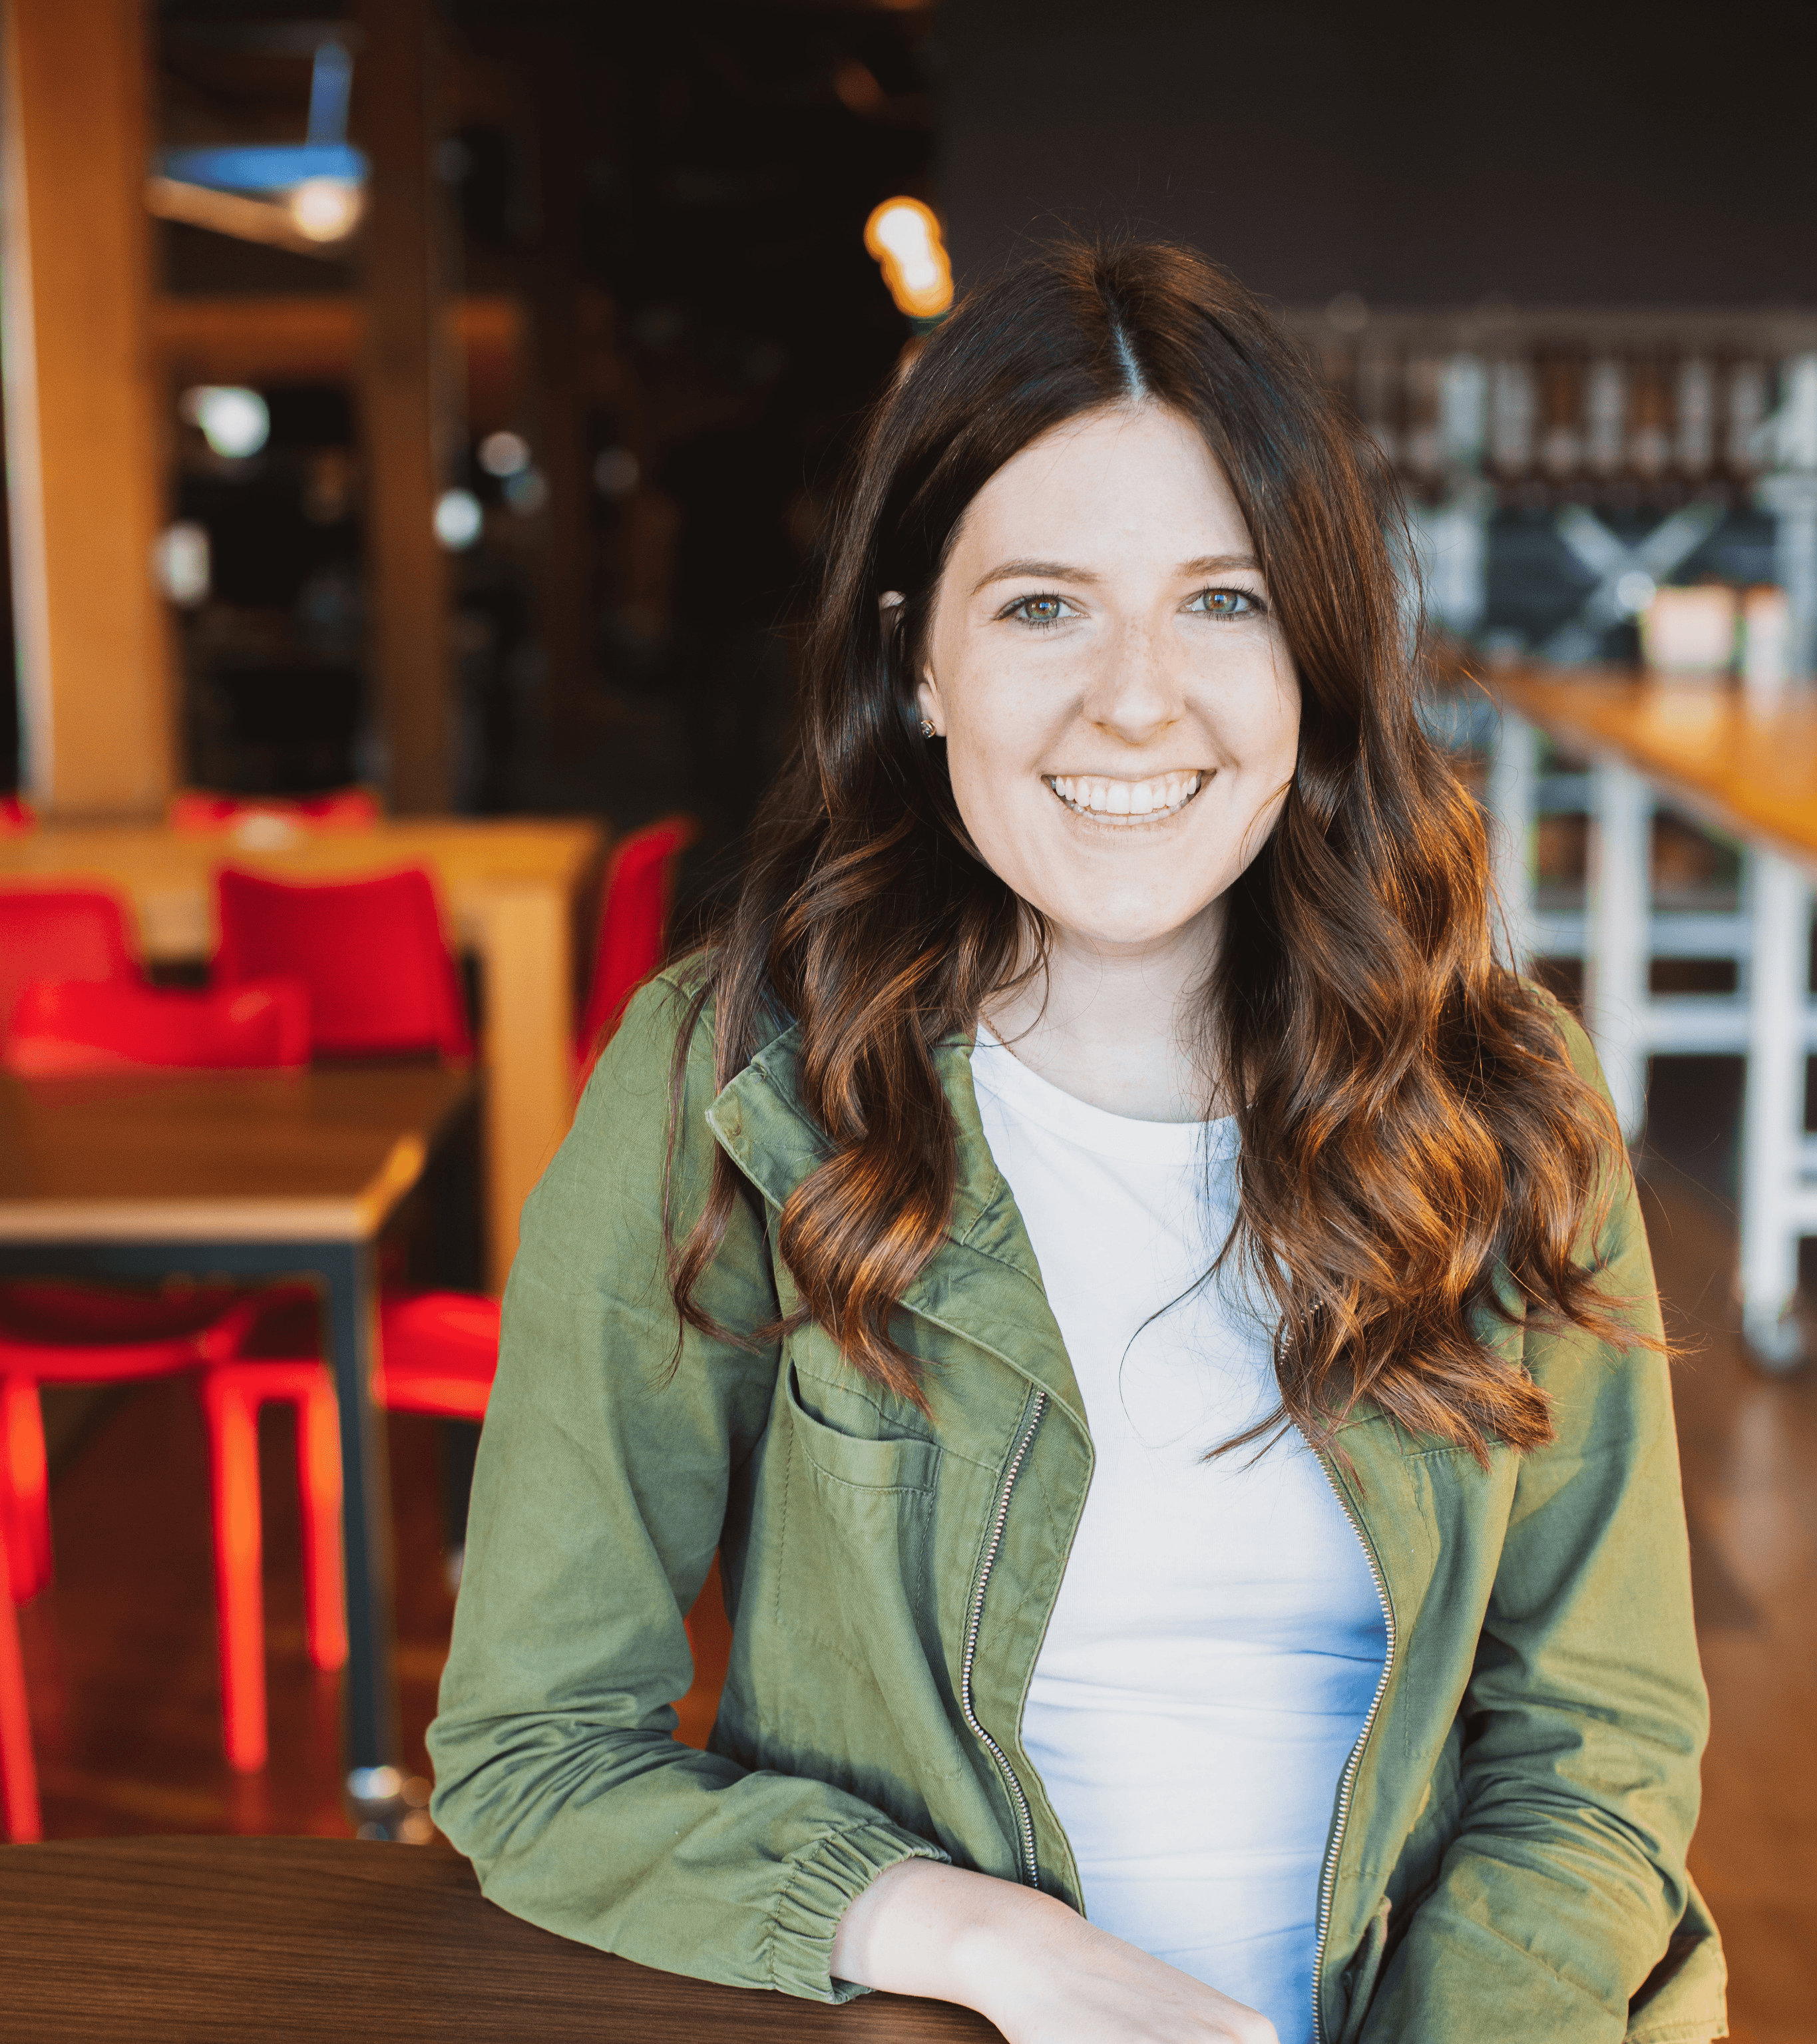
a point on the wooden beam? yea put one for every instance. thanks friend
(405, 400)
(319, 337)
(82, 433)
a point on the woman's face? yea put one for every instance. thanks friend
(1120, 713)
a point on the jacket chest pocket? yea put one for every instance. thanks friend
(856, 1515)
(854, 1462)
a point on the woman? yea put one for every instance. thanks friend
(1154, 1320)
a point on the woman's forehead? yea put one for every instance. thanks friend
(1126, 483)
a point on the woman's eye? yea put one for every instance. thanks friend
(1040, 610)
(1227, 603)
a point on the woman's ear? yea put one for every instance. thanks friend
(927, 695)
(927, 699)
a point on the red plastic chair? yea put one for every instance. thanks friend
(58, 932)
(60, 1333)
(68, 1333)
(16, 814)
(437, 1353)
(381, 978)
(194, 809)
(18, 1775)
(231, 1394)
(69, 1026)
(639, 890)
(437, 1350)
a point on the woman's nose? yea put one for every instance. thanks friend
(1135, 693)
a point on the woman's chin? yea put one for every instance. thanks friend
(1124, 924)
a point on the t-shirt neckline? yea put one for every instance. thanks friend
(1026, 1093)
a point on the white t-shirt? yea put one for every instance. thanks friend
(1218, 1636)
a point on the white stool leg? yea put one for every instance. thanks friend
(1513, 800)
(1773, 1113)
(1615, 936)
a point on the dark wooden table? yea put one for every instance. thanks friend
(182, 1941)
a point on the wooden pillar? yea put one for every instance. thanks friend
(404, 392)
(82, 437)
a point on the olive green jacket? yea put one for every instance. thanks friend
(1507, 1851)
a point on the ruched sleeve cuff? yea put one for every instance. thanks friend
(820, 1887)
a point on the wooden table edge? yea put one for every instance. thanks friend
(1709, 808)
(239, 1219)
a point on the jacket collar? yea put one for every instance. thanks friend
(984, 1285)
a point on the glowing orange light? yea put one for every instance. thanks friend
(904, 237)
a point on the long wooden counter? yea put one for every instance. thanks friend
(1749, 768)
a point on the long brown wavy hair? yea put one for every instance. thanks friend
(1417, 1155)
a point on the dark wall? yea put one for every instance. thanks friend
(1590, 154)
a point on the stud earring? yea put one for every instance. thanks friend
(927, 730)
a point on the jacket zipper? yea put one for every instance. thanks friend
(1328, 1876)
(1030, 1871)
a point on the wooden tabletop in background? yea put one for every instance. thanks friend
(185, 1941)
(1751, 769)
(168, 874)
(321, 1155)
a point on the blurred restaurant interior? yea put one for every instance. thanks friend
(475, 375)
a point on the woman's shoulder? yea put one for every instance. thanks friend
(668, 1039)
(1574, 1041)
(640, 1125)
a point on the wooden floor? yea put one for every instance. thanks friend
(1748, 1445)
(120, 1653)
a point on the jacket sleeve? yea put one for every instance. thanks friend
(1585, 1715)
(598, 1499)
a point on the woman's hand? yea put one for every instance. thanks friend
(1039, 1972)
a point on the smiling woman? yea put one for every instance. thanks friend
(1104, 1066)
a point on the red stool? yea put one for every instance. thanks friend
(380, 977)
(18, 1775)
(639, 890)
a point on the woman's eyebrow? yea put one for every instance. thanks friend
(1049, 570)
(1064, 571)
(1220, 564)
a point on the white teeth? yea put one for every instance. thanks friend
(1132, 799)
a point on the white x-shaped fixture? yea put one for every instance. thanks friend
(1627, 572)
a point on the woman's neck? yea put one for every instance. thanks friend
(1114, 1027)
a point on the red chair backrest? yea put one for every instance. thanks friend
(16, 814)
(60, 933)
(380, 977)
(346, 808)
(61, 1027)
(639, 887)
